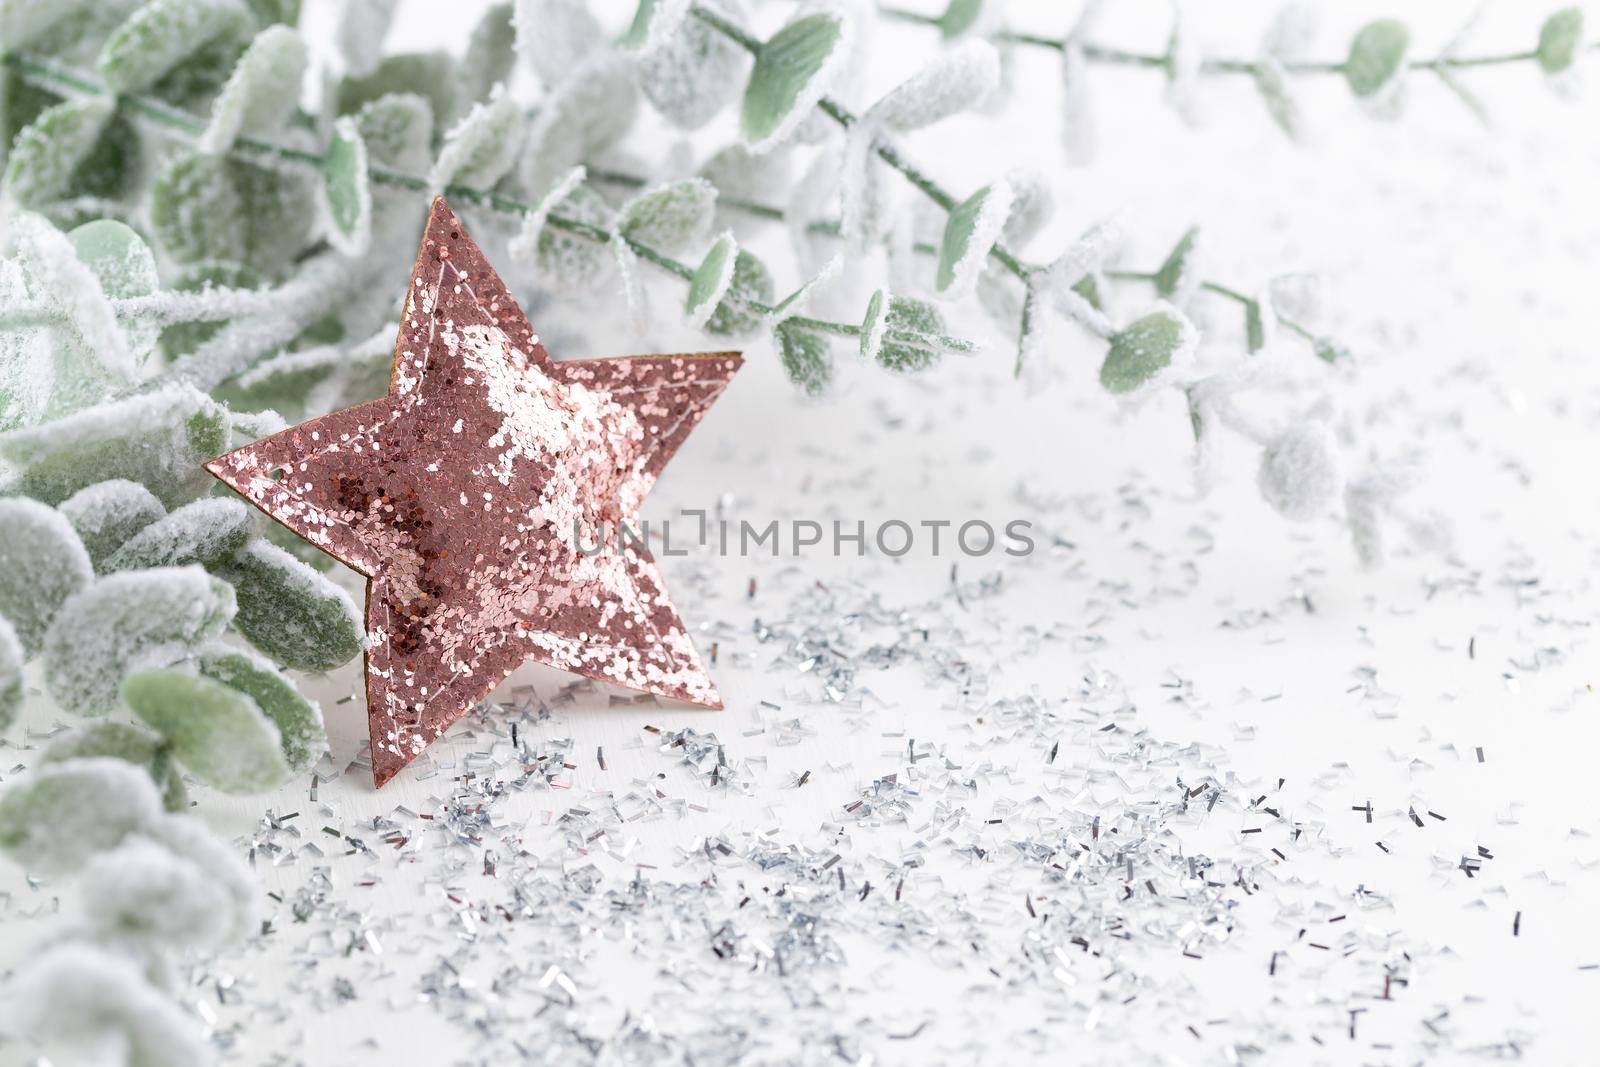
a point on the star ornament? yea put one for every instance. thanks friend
(473, 497)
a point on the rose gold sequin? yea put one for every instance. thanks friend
(458, 494)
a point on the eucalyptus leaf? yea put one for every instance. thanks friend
(1560, 38)
(164, 35)
(481, 148)
(46, 158)
(214, 730)
(125, 268)
(914, 336)
(11, 663)
(711, 279)
(119, 740)
(299, 721)
(491, 52)
(289, 611)
(160, 439)
(430, 75)
(1147, 348)
(346, 190)
(751, 283)
(1176, 272)
(670, 216)
(126, 621)
(262, 91)
(42, 563)
(690, 72)
(106, 514)
(807, 357)
(1377, 56)
(207, 208)
(793, 71)
(63, 814)
(970, 232)
(204, 531)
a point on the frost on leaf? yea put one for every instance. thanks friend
(120, 740)
(555, 37)
(159, 439)
(1033, 204)
(128, 621)
(960, 78)
(482, 147)
(203, 532)
(219, 208)
(807, 357)
(141, 894)
(261, 92)
(1149, 350)
(711, 279)
(363, 24)
(88, 1000)
(491, 52)
(346, 188)
(289, 611)
(61, 814)
(431, 75)
(125, 268)
(971, 231)
(581, 117)
(695, 71)
(397, 130)
(215, 731)
(1178, 277)
(42, 563)
(45, 158)
(566, 262)
(299, 721)
(793, 71)
(750, 283)
(10, 674)
(175, 47)
(188, 838)
(90, 355)
(1301, 473)
(914, 336)
(670, 216)
(106, 514)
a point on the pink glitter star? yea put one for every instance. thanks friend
(459, 495)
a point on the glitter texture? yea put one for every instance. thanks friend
(460, 493)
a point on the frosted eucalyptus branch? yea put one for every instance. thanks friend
(213, 366)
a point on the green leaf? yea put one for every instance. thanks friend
(670, 216)
(118, 740)
(397, 130)
(24, 22)
(289, 611)
(205, 532)
(11, 662)
(308, 383)
(959, 17)
(566, 261)
(1148, 346)
(1179, 262)
(106, 514)
(42, 563)
(491, 52)
(875, 324)
(126, 621)
(751, 282)
(45, 159)
(430, 75)
(654, 22)
(298, 720)
(481, 148)
(579, 119)
(63, 814)
(1377, 55)
(1272, 82)
(346, 188)
(160, 439)
(711, 279)
(262, 91)
(165, 35)
(792, 73)
(807, 357)
(969, 233)
(914, 336)
(688, 71)
(1330, 350)
(217, 732)
(1559, 40)
(125, 268)
(216, 208)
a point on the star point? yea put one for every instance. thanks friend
(464, 494)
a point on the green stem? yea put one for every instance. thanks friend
(1096, 53)
(55, 77)
(885, 151)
